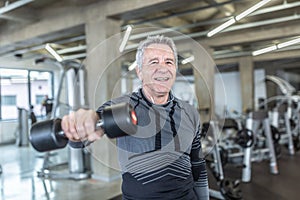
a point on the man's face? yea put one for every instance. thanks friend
(158, 72)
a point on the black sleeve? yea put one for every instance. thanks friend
(199, 169)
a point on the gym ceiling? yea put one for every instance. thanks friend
(274, 23)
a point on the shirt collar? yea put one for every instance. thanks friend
(171, 98)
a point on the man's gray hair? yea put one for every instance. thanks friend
(158, 39)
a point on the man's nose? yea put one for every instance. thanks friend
(163, 67)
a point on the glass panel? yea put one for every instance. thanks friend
(9, 100)
(40, 86)
(14, 92)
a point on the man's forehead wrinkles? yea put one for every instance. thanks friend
(160, 49)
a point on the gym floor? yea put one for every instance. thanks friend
(20, 165)
(264, 185)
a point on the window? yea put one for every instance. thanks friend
(40, 85)
(21, 89)
(9, 100)
(39, 99)
(14, 92)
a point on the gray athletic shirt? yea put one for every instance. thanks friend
(163, 160)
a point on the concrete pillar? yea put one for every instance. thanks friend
(129, 83)
(204, 72)
(204, 82)
(103, 83)
(271, 88)
(246, 68)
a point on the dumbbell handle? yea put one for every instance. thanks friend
(99, 125)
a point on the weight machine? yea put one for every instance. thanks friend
(228, 188)
(286, 114)
(248, 140)
(255, 119)
(79, 167)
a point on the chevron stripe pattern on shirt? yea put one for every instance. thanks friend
(157, 165)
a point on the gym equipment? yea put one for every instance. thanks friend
(245, 138)
(1, 183)
(286, 88)
(22, 132)
(228, 189)
(116, 121)
(296, 141)
(248, 139)
(286, 114)
(71, 79)
(282, 112)
(255, 119)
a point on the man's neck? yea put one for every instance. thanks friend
(158, 99)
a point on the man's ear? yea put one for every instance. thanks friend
(139, 73)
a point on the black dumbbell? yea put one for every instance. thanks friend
(116, 121)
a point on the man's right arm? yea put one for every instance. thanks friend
(80, 126)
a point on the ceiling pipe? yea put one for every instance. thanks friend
(182, 13)
(276, 46)
(262, 23)
(75, 56)
(216, 21)
(237, 18)
(192, 35)
(197, 34)
(233, 28)
(13, 6)
(230, 54)
(283, 6)
(72, 49)
(42, 46)
(226, 9)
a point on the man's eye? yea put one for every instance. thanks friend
(170, 63)
(154, 62)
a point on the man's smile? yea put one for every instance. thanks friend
(162, 79)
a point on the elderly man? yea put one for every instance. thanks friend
(163, 160)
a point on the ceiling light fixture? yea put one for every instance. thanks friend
(288, 43)
(125, 38)
(276, 46)
(221, 27)
(132, 66)
(237, 18)
(188, 60)
(53, 52)
(264, 50)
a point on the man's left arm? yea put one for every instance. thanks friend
(199, 169)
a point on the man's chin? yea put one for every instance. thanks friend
(159, 89)
(162, 92)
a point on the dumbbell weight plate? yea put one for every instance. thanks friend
(230, 189)
(245, 138)
(45, 135)
(119, 120)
